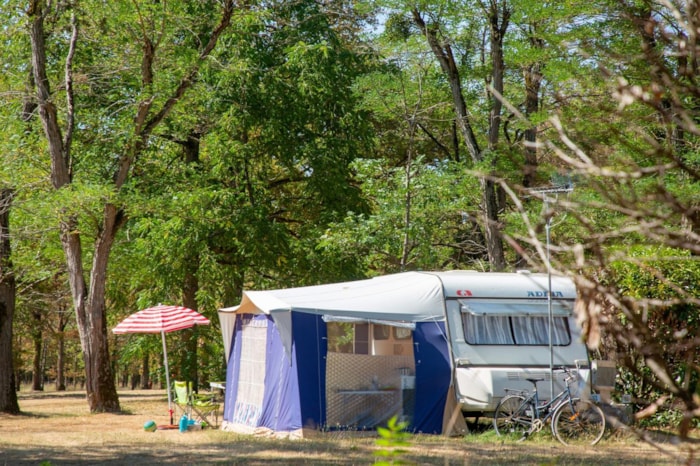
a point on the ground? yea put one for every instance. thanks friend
(56, 428)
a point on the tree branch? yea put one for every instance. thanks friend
(70, 98)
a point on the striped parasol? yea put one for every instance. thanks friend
(162, 319)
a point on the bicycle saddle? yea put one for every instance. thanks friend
(535, 380)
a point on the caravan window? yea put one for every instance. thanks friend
(487, 330)
(489, 323)
(401, 333)
(364, 338)
(382, 332)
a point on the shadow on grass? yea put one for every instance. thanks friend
(51, 395)
(234, 454)
(313, 453)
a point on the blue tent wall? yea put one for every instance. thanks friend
(295, 393)
(311, 343)
(433, 375)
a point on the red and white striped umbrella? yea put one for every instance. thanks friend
(162, 319)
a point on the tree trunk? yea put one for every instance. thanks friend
(61, 361)
(8, 386)
(406, 243)
(146, 372)
(135, 379)
(533, 80)
(91, 310)
(498, 24)
(189, 337)
(60, 365)
(37, 372)
(190, 284)
(533, 83)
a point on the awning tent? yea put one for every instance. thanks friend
(398, 298)
(294, 380)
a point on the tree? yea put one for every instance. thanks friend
(498, 14)
(440, 234)
(630, 237)
(153, 96)
(8, 390)
(252, 166)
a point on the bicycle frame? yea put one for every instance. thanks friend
(533, 402)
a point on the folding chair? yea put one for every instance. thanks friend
(205, 409)
(201, 408)
(181, 398)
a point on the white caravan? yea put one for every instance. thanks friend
(499, 328)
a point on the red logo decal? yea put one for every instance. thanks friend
(464, 293)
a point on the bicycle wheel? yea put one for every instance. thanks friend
(510, 419)
(582, 425)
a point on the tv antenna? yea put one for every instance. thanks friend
(544, 193)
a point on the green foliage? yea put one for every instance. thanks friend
(437, 234)
(664, 281)
(658, 272)
(666, 417)
(270, 168)
(392, 443)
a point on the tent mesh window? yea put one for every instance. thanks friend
(364, 391)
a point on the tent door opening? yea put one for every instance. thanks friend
(369, 375)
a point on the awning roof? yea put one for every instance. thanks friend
(401, 299)
(398, 299)
(405, 297)
(514, 307)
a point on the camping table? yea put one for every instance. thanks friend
(220, 386)
(368, 408)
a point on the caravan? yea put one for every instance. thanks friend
(428, 347)
(500, 326)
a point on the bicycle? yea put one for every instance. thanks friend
(573, 420)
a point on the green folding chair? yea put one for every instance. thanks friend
(200, 407)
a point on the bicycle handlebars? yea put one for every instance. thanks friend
(571, 377)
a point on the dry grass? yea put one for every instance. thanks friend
(56, 428)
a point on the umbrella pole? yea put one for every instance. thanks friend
(167, 377)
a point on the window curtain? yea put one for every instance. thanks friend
(535, 331)
(487, 330)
